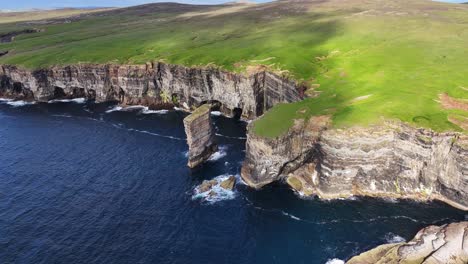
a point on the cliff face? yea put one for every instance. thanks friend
(156, 85)
(200, 136)
(392, 160)
(432, 245)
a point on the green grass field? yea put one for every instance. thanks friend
(367, 60)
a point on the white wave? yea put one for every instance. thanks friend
(392, 238)
(335, 261)
(127, 108)
(390, 200)
(221, 153)
(154, 134)
(146, 111)
(19, 103)
(220, 135)
(115, 108)
(216, 113)
(186, 154)
(74, 100)
(216, 193)
(2, 100)
(291, 216)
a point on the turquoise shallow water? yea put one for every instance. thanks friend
(82, 184)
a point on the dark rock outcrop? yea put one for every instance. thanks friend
(391, 160)
(447, 244)
(200, 136)
(10, 36)
(156, 85)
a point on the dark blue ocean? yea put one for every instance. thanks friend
(82, 185)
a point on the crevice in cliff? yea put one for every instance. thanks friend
(237, 113)
(3, 53)
(121, 95)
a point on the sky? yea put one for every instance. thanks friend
(47, 4)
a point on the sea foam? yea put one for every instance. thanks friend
(74, 100)
(392, 238)
(221, 153)
(335, 261)
(19, 103)
(216, 193)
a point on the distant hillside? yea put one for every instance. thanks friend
(34, 15)
(363, 60)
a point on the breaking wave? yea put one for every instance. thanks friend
(216, 193)
(147, 111)
(75, 100)
(221, 153)
(19, 103)
(392, 238)
(216, 113)
(335, 261)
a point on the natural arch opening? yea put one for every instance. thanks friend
(59, 93)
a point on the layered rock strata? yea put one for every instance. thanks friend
(157, 85)
(447, 244)
(390, 160)
(200, 136)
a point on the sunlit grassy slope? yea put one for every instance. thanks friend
(366, 59)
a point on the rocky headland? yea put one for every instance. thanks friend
(389, 160)
(446, 244)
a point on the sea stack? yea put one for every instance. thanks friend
(200, 136)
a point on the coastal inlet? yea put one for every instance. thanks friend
(100, 183)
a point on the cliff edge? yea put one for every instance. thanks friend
(390, 160)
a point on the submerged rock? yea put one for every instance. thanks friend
(206, 185)
(200, 136)
(445, 244)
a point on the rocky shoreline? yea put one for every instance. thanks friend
(156, 85)
(390, 160)
(432, 244)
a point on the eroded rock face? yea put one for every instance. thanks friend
(447, 244)
(156, 85)
(392, 160)
(200, 136)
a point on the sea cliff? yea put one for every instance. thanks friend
(157, 85)
(389, 160)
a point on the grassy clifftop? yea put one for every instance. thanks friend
(364, 60)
